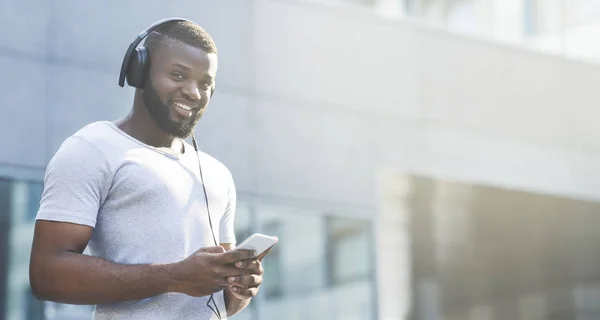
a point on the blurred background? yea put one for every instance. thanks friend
(418, 159)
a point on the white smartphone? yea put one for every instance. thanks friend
(257, 242)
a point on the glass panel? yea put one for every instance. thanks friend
(23, 203)
(295, 273)
(57, 311)
(34, 194)
(19, 298)
(353, 301)
(300, 255)
(349, 243)
(351, 268)
(34, 308)
(5, 214)
(315, 252)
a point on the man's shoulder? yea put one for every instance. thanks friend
(96, 138)
(94, 131)
(102, 134)
(214, 164)
(82, 150)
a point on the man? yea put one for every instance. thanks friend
(133, 192)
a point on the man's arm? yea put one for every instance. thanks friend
(60, 272)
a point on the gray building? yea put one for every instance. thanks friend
(373, 147)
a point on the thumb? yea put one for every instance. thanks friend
(217, 249)
(264, 254)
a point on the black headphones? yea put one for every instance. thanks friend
(136, 62)
(135, 67)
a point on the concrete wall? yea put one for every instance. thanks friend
(423, 101)
(333, 90)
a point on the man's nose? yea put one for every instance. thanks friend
(192, 92)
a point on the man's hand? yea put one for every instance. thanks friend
(246, 286)
(207, 270)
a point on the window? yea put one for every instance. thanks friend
(34, 195)
(350, 255)
(349, 250)
(5, 215)
(299, 260)
(19, 203)
(57, 311)
(273, 278)
(318, 270)
(34, 308)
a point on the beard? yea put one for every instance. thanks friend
(160, 112)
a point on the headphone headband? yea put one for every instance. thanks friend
(137, 41)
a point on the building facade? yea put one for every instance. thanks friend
(322, 112)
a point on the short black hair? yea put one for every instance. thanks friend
(184, 31)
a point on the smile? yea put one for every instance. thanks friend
(183, 106)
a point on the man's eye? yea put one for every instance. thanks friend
(177, 76)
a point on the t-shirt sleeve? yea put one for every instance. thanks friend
(226, 228)
(76, 182)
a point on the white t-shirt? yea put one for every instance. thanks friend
(145, 205)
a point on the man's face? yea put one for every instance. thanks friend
(178, 86)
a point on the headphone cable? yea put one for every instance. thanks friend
(216, 312)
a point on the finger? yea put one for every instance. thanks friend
(247, 293)
(242, 264)
(247, 281)
(265, 253)
(217, 249)
(237, 255)
(231, 271)
(221, 284)
(260, 269)
(252, 266)
(246, 264)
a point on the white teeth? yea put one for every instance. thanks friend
(183, 106)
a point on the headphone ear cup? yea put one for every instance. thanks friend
(137, 70)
